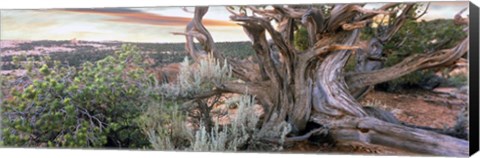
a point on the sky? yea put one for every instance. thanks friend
(154, 24)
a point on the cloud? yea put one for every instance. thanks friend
(139, 17)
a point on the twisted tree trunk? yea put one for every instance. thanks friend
(302, 86)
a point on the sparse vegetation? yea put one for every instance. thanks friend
(162, 53)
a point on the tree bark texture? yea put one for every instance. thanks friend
(301, 86)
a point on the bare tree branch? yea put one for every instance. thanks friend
(384, 7)
(459, 20)
(423, 13)
(408, 65)
(355, 25)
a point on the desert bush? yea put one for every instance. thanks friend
(171, 131)
(169, 128)
(165, 126)
(196, 79)
(232, 137)
(96, 105)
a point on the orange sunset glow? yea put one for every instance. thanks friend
(132, 16)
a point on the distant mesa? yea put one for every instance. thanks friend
(74, 41)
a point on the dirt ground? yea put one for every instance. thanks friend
(436, 109)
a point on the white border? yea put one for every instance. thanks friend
(44, 4)
(87, 153)
(84, 153)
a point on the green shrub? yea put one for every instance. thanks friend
(456, 81)
(97, 105)
(301, 39)
(417, 38)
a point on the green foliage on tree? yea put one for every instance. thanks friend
(418, 38)
(301, 39)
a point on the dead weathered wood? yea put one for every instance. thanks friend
(373, 131)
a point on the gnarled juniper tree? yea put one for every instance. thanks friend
(300, 86)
